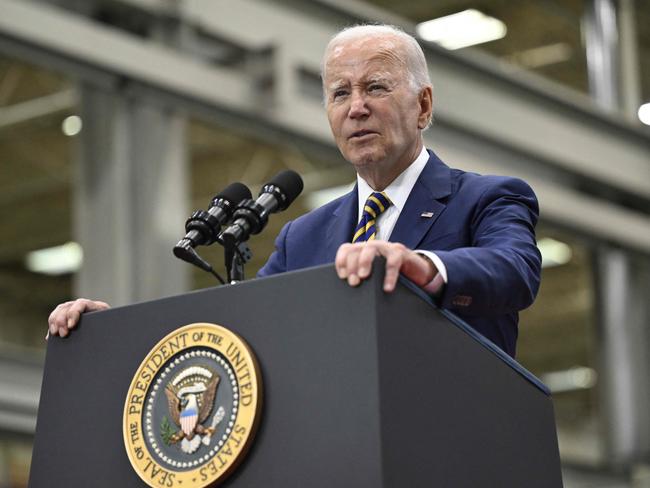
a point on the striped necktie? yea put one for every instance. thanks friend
(376, 204)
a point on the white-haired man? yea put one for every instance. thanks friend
(466, 238)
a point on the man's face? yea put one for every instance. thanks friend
(374, 113)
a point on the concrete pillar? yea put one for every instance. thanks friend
(601, 38)
(630, 65)
(131, 198)
(624, 345)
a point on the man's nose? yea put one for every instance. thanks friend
(358, 106)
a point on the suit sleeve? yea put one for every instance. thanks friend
(277, 262)
(500, 272)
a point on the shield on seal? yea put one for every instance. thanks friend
(189, 416)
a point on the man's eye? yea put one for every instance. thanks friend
(339, 94)
(376, 87)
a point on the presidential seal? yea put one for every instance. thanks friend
(192, 408)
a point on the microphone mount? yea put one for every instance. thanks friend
(235, 257)
(251, 216)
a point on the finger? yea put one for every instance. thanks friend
(341, 260)
(79, 306)
(394, 260)
(52, 319)
(96, 305)
(366, 257)
(351, 265)
(72, 315)
(58, 317)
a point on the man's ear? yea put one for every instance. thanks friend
(425, 100)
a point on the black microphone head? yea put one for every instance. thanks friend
(234, 193)
(290, 183)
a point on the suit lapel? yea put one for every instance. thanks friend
(423, 207)
(342, 223)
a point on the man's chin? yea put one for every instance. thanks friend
(364, 160)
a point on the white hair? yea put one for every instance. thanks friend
(414, 60)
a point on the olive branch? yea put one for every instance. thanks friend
(167, 431)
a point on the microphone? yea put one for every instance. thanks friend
(251, 217)
(203, 227)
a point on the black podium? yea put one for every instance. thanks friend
(361, 389)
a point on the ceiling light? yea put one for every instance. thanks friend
(543, 55)
(71, 126)
(57, 260)
(554, 253)
(578, 378)
(462, 29)
(644, 113)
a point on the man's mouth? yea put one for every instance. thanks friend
(361, 133)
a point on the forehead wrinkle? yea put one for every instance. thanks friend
(385, 45)
(392, 56)
(373, 68)
(385, 63)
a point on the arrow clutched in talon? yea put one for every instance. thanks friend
(218, 417)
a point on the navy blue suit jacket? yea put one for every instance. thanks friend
(482, 229)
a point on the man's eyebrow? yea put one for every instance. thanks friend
(379, 78)
(335, 85)
(367, 80)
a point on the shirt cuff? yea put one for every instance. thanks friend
(440, 279)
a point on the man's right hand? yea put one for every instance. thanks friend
(65, 317)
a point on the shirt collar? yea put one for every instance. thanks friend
(400, 188)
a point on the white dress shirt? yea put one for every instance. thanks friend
(398, 192)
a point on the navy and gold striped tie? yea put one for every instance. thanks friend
(376, 204)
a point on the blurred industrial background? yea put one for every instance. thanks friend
(118, 118)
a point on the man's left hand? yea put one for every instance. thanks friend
(354, 262)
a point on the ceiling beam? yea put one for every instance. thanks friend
(22, 112)
(555, 136)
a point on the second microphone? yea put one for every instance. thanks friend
(251, 217)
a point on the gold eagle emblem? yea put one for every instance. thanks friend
(190, 398)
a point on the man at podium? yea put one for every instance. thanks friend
(465, 238)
